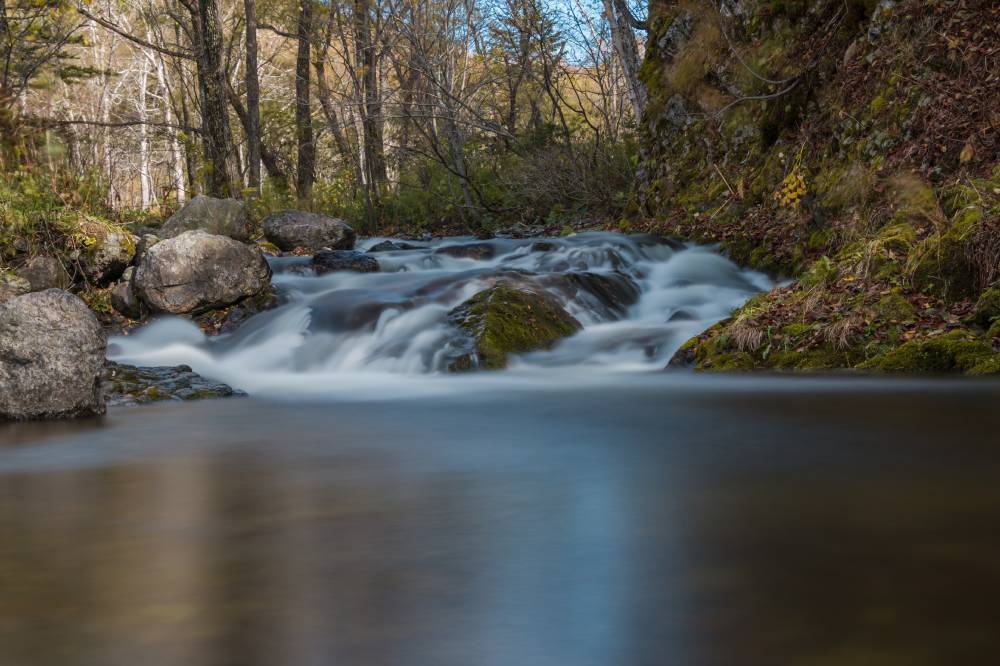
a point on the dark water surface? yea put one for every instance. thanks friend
(654, 520)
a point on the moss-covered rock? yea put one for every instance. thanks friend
(506, 320)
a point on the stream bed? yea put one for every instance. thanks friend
(364, 506)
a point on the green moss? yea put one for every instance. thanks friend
(988, 307)
(953, 352)
(821, 273)
(505, 320)
(895, 308)
(942, 263)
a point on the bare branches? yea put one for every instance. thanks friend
(172, 52)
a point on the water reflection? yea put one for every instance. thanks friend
(709, 526)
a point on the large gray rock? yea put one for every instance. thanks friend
(45, 272)
(196, 272)
(291, 229)
(223, 217)
(51, 357)
(104, 262)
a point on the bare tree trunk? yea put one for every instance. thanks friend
(374, 150)
(306, 170)
(145, 178)
(252, 125)
(628, 52)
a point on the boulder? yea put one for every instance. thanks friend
(292, 229)
(12, 286)
(506, 320)
(104, 261)
(51, 357)
(45, 272)
(123, 297)
(197, 271)
(222, 217)
(344, 260)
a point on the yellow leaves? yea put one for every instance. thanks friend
(793, 188)
(967, 154)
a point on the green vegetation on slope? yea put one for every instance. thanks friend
(850, 145)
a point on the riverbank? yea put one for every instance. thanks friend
(852, 147)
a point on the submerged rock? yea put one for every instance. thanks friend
(196, 272)
(222, 217)
(477, 251)
(393, 246)
(505, 320)
(130, 385)
(292, 229)
(344, 260)
(51, 357)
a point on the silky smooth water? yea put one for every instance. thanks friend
(642, 519)
(388, 332)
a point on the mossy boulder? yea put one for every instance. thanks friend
(505, 320)
(108, 256)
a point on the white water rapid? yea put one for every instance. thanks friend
(637, 298)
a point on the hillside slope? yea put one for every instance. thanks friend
(851, 144)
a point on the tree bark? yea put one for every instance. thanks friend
(371, 112)
(306, 170)
(252, 125)
(628, 52)
(217, 136)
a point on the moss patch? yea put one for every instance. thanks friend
(506, 320)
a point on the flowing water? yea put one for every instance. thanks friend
(637, 298)
(582, 509)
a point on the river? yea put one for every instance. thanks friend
(563, 513)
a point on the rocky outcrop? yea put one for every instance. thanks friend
(127, 385)
(51, 357)
(197, 271)
(506, 320)
(344, 260)
(45, 272)
(291, 229)
(222, 217)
